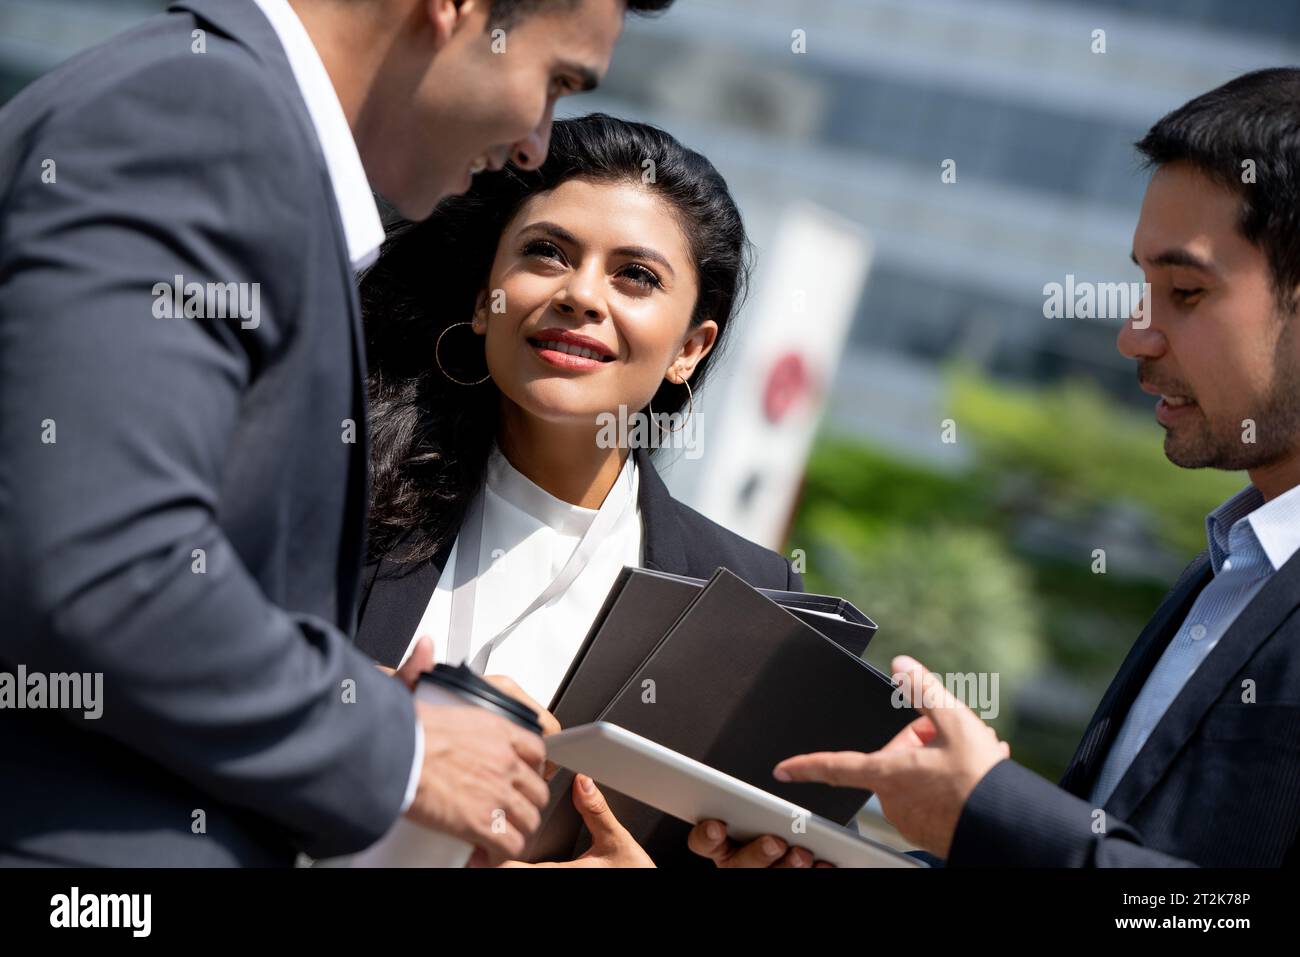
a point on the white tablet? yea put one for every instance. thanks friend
(694, 792)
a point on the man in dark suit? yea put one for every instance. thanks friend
(182, 423)
(1194, 753)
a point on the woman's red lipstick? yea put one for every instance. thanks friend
(569, 350)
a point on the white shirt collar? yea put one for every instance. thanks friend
(1276, 524)
(362, 227)
(565, 517)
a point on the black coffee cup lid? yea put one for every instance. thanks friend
(467, 684)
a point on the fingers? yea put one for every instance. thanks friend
(545, 719)
(508, 686)
(796, 857)
(417, 662)
(709, 839)
(498, 836)
(528, 746)
(764, 851)
(531, 785)
(926, 693)
(523, 813)
(505, 833)
(917, 734)
(498, 845)
(593, 807)
(838, 768)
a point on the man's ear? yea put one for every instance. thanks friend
(447, 15)
(698, 343)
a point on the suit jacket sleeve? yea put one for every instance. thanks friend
(182, 167)
(1016, 818)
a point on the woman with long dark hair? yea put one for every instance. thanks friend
(504, 335)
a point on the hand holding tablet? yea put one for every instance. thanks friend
(694, 792)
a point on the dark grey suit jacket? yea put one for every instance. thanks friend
(675, 539)
(232, 689)
(1217, 783)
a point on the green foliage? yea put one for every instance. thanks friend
(1083, 449)
(954, 598)
(910, 548)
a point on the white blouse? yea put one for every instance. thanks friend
(528, 536)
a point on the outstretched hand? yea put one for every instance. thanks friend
(925, 774)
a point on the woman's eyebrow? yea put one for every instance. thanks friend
(551, 229)
(556, 231)
(645, 252)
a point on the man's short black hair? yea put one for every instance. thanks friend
(507, 13)
(1245, 135)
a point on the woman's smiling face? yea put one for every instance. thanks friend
(589, 302)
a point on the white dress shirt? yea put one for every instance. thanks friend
(363, 230)
(362, 227)
(528, 536)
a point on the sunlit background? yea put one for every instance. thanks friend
(978, 554)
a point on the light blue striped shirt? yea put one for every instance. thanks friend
(1249, 541)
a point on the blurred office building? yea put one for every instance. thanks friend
(1038, 122)
(985, 148)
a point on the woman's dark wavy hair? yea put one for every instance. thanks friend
(431, 437)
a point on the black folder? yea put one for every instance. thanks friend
(736, 680)
(640, 608)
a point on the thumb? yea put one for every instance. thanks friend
(591, 804)
(926, 692)
(417, 663)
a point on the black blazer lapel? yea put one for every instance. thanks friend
(245, 22)
(397, 592)
(1132, 674)
(352, 551)
(395, 602)
(662, 546)
(1255, 625)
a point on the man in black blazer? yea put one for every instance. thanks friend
(182, 423)
(1194, 754)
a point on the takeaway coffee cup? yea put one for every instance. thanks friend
(407, 844)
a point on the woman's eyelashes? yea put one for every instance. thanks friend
(543, 249)
(639, 276)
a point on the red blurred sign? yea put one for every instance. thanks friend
(789, 382)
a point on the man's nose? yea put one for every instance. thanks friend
(530, 152)
(1140, 337)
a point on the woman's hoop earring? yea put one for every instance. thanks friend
(690, 398)
(438, 345)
